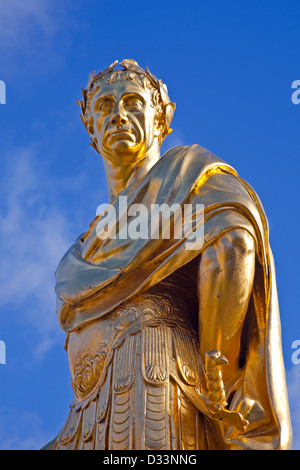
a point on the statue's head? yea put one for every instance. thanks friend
(126, 111)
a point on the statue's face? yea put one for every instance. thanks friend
(125, 123)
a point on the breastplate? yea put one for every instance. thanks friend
(130, 371)
(141, 326)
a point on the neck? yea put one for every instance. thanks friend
(119, 176)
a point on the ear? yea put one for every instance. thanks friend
(158, 126)
(170, 109)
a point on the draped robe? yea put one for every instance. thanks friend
(98, 277)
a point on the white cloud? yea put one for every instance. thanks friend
(293, 385)
(173, 140)
(18, 17)
(21, 430)
(34, 234)
(29, 30)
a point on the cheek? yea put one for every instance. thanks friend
(99, 125)
(150, 128)
(146, 124)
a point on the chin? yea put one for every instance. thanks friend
(123, 150)
(124, 146)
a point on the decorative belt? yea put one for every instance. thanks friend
(90, 373)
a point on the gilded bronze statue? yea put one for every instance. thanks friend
(169, 347)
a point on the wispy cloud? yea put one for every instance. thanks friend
(21, 430)
(35, 233)
(17, 17)
(28, 34)
(175, 139)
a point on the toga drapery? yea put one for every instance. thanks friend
(97, 277)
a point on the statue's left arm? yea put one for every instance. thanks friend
(234, 320)
(225, 281)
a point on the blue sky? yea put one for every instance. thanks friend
(229, 66)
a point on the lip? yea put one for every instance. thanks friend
(120, 134)
(120, 131)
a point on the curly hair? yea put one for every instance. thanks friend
(134, 73)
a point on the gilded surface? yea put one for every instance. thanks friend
(169, 347)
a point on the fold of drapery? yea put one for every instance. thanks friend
(96, 276)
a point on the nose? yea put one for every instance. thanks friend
(119, 118)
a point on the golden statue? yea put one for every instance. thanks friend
(169, 347)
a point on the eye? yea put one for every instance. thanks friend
(134, 103)
(105, 106)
